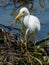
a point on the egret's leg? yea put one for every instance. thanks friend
(26, 34)
(26, 37)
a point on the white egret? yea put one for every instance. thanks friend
(31, 22)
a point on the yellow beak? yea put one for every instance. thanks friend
(20, 14)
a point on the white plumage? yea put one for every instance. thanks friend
(31, 22)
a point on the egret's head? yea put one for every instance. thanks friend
(23, 11)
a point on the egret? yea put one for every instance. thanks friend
(31, 22)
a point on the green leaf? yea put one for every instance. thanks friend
(9, 63)
(37, 60)
(42, 3)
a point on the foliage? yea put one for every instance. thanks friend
(4, 3)
(14, 49)
(15, 52)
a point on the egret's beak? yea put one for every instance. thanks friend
(20, 14)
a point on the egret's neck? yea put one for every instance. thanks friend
(28, 15)
(26, 20)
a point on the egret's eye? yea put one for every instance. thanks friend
(23, 11)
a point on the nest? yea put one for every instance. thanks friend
(14, 51)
